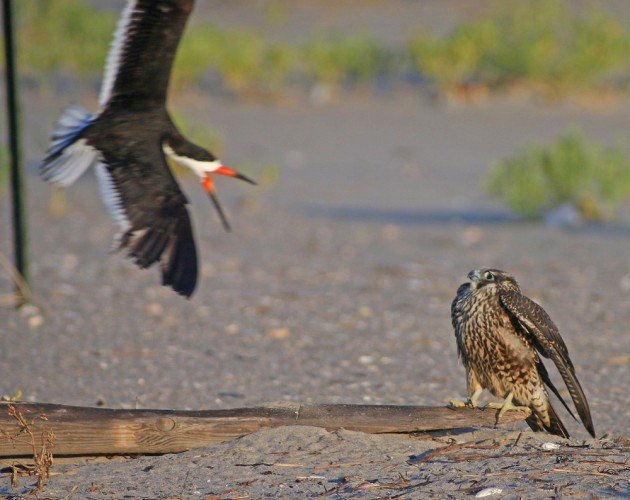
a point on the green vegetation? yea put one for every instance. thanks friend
(237, 56)
(452, 61)
(544, 44)
(246, 62)
(62, 35)
(589, 177)
(331, 59)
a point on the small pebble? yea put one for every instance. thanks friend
(471, 236)
(279, 333)
(365, 312)
(232, 329)
(35, 322)
(154, 309)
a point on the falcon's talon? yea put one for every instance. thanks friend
(494, 405)
(471, 402)
(461, 403)
(507, 405)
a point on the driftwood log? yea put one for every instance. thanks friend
(83, 431)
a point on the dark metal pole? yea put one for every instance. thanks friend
(17, 178)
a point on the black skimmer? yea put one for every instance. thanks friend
(129, 140)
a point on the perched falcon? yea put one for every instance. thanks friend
(500, 334)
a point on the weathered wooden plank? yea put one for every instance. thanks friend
(102, 431)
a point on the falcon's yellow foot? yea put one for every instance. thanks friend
(507, 406)
(495, 405)
(461, 403)
(471, 402)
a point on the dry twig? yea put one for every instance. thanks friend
(445, 450)
(42, 459)
(22, 294)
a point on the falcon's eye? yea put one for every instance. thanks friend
(488, 276)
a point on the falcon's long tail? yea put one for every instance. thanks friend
(69, 155)
(547, 380)
(555, 424)
(577, 394)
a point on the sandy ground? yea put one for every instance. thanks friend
(298, 462)
(335, 286)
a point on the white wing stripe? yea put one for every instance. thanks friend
(115, 54)
(71, 164)
(111, 197)
(71, 123)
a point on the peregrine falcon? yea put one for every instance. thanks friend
(500, 333)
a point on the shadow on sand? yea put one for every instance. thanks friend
(444, 217)
(439, 217)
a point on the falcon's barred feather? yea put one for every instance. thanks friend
(500, 333)
(547, 340)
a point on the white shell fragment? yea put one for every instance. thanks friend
(488, 492)
(550, 446)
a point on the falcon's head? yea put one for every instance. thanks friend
(492, 278)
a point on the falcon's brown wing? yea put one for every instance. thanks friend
(456, 320)
(544, 335)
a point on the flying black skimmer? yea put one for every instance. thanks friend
(130, 139)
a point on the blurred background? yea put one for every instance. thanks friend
(398, 144)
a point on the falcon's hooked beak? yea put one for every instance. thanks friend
(208, 185)
(475, 277)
